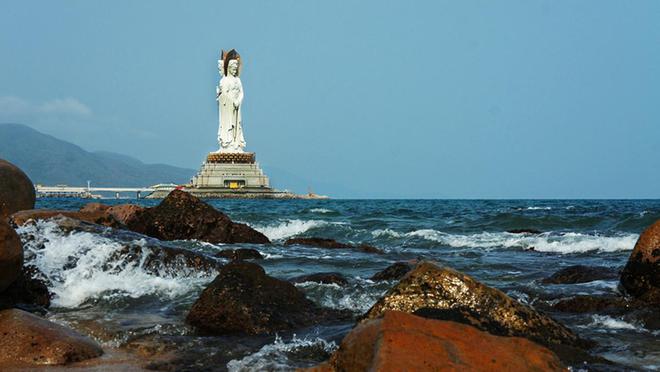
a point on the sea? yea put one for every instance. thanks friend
(128, 304)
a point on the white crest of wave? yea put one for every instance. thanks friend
(278, 355)
(549, 242)
(358, 297)
(83, 266)
(607, 322)
(290, 228)
(321, 210)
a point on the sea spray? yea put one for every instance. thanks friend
(82, 266)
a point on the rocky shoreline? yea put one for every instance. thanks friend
(433, 317)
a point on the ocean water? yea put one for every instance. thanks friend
(127, 302)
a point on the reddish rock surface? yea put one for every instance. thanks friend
(641, 275)
(16, 189)
(11, 255)
(28, 340)
(244, 300)
(184, 216)
(124, 212)
(404, 342)
(442, 293)
(100, 217)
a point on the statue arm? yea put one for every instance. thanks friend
(239, 99)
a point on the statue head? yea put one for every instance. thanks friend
(232, 67)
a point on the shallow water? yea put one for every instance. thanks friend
(129, 301)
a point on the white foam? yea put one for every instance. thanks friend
(549, 242)
(275, 356)
(83, 266)
(607, 322)
(321, 210)
(290, 228)
(359, 297)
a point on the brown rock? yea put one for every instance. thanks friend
(244, 300)
(445, 294)
(100, 217)
(16, 189)
(28, 340)
(404, 342)
(641, 275)
(183, 216)
(94, 208)
(11, 255)
(124, 212)
(27, 289)
(393, 272)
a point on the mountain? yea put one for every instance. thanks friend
(51, 161)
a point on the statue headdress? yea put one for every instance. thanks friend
(225, 57)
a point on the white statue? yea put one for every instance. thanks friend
(229, 94)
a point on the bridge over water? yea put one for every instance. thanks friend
(88, 192)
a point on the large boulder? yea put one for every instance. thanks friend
(16, 189)
(581, 274)
(404, 342)
(446, 294)
(11, 255)
(32, 341)
(641, 275)
(183, 216)
(244, 300)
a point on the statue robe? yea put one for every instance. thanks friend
(230, 134)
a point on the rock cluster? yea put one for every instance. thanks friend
(403, 342)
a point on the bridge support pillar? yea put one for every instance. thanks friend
(117, 195)
(138, 194)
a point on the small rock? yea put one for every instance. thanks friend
(318, 243)
(590, 304)
(32, 341)
(240, 254)
(183, 216)
(324, 278)
(11, 255)
(525, 231)
(445, 294)
(641, 275)
(581, 274)
(244, 300)
(393, 272)
(404, 342)
(331, 244)
(16, 190)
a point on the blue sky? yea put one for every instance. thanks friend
(428, 99)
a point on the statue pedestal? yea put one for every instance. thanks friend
(232, 171)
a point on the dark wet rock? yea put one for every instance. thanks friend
(318, 243)
(331, 244)
(591, 304)
(183, 216)
(29, 291)
(244, 300)
(581, 274)
(393, 272)
(404, 342)
(100, 217)
(641, 275)
(11, 255)
(240, 254)
(32, 341)
(16, 189)
(445, 294)
(525, 231)
(324, 278)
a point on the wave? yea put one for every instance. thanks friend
(321, 210)
(281, 355)
(608, 323)
(549, 242)
(291, 228)
(82, 266)
(358, 297)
